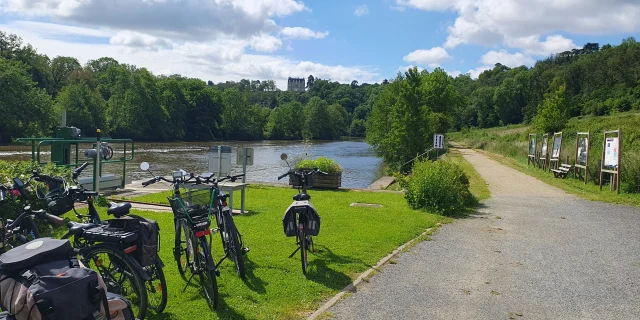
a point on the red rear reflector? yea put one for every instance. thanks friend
(130, 249)
(203, 233)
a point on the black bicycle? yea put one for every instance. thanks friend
(192, 218)
(106, 247)
(301, 218)
(22, 229)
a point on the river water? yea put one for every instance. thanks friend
(360, 165)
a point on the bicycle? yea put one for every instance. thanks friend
(22, 229)
(127, 276)
(192, 218)
(301, 218)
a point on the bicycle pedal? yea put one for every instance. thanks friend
(245, 250)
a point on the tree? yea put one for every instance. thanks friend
(85, 107)
(26, 109)
(552, 115)
(354, 84)
(62, 69)
(317, 125)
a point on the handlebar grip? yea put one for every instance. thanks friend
(79, 169)
(148, 182)
(284, 175)
(54, 219)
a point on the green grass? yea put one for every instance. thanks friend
(351, 240)
(477, 185)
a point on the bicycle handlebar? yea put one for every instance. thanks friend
(301, 173)
(46, 178)
(78, 170)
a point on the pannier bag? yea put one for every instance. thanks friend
(42, 279)
(59, 201)
(130, 230)
(308, 217)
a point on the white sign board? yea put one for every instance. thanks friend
(438, 141)
(241, 153)
(555, 152)
(611, 152)
(220, 168)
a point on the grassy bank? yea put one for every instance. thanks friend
(477, 185)
(512, 144)
(351, 240)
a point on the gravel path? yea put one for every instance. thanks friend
(531, 252)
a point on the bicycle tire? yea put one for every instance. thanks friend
(156, 273)
(303, 251)
(234, 246)
(208, 279)
(182, 254)
(137, 297)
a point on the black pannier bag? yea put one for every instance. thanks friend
(42, 279)
(309, 218)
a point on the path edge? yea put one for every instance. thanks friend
(353, 285)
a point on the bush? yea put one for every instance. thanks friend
(322, 163)
(439, 186)
(11, 207)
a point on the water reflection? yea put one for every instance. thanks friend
(361, 166)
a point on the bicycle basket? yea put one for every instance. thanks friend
(296, 181)
(178, 207)
(200, 197)
(59, 203)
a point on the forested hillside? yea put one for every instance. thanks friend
(398, 116)
(593, 80)
(127, 101)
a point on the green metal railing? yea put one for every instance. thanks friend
(38, 143)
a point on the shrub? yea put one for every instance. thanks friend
(439, 186)
(11, 208)
(322, 163)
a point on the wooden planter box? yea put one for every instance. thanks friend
(332, 181)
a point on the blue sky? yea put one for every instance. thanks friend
(367, 41)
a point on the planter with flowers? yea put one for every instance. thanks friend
(331, 181)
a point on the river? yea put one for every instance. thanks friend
(360, 165)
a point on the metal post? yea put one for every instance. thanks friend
(220, 162)
(96, 167)
(244, 165)
(63, 121)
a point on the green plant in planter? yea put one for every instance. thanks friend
(322, 163)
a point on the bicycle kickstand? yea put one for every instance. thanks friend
(294, 252)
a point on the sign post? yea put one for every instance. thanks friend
(582, 155)
(532, 149)
(438, 142)
(543, 160)
(244, 156)
(611, 154)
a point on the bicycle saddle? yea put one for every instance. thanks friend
(76, 228)
(119, 209)
(301, 197)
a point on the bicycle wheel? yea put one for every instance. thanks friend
(156, 287)
(183, 250)
(118, 274)
(109, 153)
(303, 251)
(207, 276)
(233, 245)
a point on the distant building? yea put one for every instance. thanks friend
(295, 84)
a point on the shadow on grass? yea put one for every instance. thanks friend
(224, 311)
(254, 283)
(320, 271)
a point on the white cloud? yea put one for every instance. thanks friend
(430, 5)
(187, 20)
(519, 23)
(431, 57)
(217, 60)
(140, 40)
(533, 45)
(265, 43)
(361, 11)
(302, 33)
(454, 73)
(474, 73)
(53, 29)
(510, 60)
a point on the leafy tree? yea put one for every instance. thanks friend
(552, 114)
(85, 107)
(25, 108)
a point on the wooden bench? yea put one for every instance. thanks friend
(562, 171)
